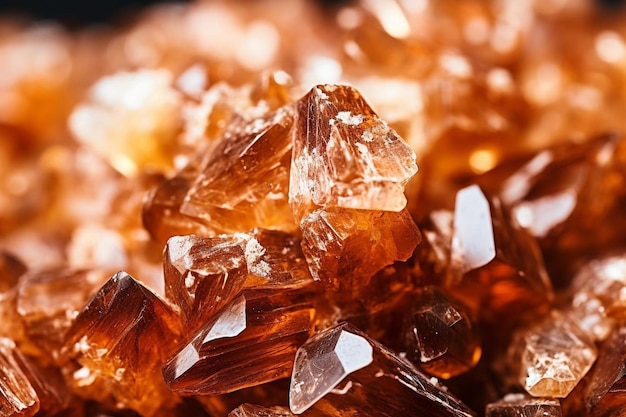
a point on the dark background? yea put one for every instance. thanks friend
(77, 13)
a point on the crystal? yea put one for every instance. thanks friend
(345, 247)
(440, 337)
(495, 266)
(519, 405)
(345, 156)
(556, 356)
(251, 161)
(202, 275)
(251, 410)
(136, 115)
(252, 340)
(604, 394)
(115, 340)
(17, 396)
(11, 269)
(49, 301)
(341, 370)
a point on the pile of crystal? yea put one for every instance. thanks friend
(215, 209)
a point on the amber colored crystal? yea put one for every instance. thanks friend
(251, 161)
(342, 371)
(11, 269)
(264, 395)
(17, 396)
(346, 247)
(604, 394)
(556, 355)
(439, 335)
(520, 405)
(202, 275)
(117, 342)
(495, 266)
(49, 301)
(252, 340)
(431, 259)
(161, 214)
(345, 156)
(252, 410)
(136, 118)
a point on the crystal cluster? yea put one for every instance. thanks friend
(214, 209)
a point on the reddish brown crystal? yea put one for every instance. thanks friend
(117, 342)
(341, 371)
(17, 396)
(520, 405)
(346, 247)
(49, 301)
(251, 161)
(440, 337)
(495, 267)
(252, 340)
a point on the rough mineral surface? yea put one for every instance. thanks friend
(251, 410)
(341, 371)
(346, 156)
(556, 356)
(494, 265)
(17, 396)
(117, 340)
(252, 340)
(520, 405)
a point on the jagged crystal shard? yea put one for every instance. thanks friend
(17, 395)
(344, 155)
(341, 371)
(252, 340)
(556, 355)
(520, 405)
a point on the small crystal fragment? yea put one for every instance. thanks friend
(49, 301)
(341, 371)
(556, 356)
(344, 247)
(440, 337)
(520, 405)
(118, 340)
(17, 396)
(252, 410)
(345, 156)
(11, 269)
(495, 266)
(252, 340)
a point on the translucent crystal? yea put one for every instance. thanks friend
(117, 342)
(556, 356)
(251, 161)
(252, 340)
(345, 156)
(520, 405)
(440, 337)
(346, 247)
(251, 410)
(343, 371)
(495, 265)
(17, 396)
(130, 119)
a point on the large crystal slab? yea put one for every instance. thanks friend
(556, 355)
(341, 371)
(495, 266)
(252, 340)
(345, 156)
(520, 405)
(244, 181)
(17, 395)
(440, 337)
(346, 247)
(118, 342)
(605, 392)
